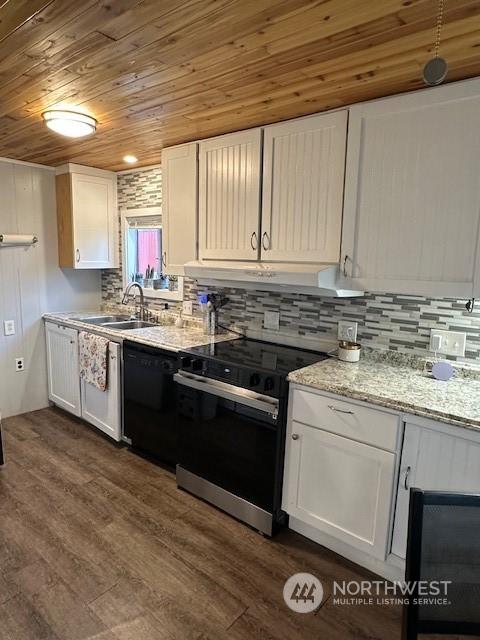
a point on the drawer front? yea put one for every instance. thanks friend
(349, 420)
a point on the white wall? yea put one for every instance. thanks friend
(31, 284)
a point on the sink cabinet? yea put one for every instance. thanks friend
(103, 408)
(68, 391)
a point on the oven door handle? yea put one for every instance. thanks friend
(229, 392)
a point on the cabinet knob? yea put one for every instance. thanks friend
(294, 436)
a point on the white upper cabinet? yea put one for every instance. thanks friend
(179, 208)
(412, 193)
(229, 196)
(87, 217)
(303, 175)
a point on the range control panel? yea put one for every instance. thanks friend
(238, 376)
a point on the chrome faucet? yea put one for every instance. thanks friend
(140, 314)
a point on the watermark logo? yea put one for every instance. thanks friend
(303, 592)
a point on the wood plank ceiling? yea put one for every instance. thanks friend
(160, 72)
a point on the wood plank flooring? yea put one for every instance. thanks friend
(98, 544)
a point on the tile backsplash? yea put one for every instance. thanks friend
(385, 321)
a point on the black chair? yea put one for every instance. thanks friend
(443, 544)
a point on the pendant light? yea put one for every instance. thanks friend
(436, 69)
(69, 123)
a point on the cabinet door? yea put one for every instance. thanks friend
(94, 221)
(412, 202)
(229, 196)
(102, 408)
(179, 208)
(62, 367)
(303, 174)
(436, 461)
(341, 487)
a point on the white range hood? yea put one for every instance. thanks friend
(319, 279)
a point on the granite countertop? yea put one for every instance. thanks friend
(400, 386)
(164, 336)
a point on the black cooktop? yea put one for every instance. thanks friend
(257, 355)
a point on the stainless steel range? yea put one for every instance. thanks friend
(232, 408)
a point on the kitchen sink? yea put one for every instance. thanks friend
(105, 319)
(128, 325)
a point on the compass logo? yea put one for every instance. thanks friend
(303, 592)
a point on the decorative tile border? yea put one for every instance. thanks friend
(397, 322)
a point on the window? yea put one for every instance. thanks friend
(142, 254)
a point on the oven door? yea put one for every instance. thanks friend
(229, 436)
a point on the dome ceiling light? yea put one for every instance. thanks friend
(130, 159)
(69, 123)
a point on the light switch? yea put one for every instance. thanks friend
(448, 343)
(347, 330)
(187, 307)
(9, 327)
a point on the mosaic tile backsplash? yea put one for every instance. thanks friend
(387, 321)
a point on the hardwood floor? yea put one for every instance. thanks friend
(97, 543)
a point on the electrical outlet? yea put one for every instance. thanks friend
(347, 330)
(271, 320)
(448, 343)
(9, 327)
(188, 307)
(19, 364)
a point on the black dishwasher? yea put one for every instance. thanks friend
(149, 401)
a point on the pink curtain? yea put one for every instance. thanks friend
(148, 243)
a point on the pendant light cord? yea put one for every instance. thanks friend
(441, 7)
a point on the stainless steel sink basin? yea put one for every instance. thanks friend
(99, 320)
(128, 325)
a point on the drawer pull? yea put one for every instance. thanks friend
(294, 436)
(350, 413)
(407, 473)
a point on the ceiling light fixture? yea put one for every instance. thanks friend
(69, 123)
(130, 159)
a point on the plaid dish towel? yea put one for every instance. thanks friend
(93, 359)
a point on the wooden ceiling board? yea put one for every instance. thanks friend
(160, 73)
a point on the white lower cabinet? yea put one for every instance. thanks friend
(334, 482)
(68, 391)
(103, 408)
(62, 367)
(341, 487)
(435, 457)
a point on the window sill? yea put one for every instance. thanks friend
(163, 294)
